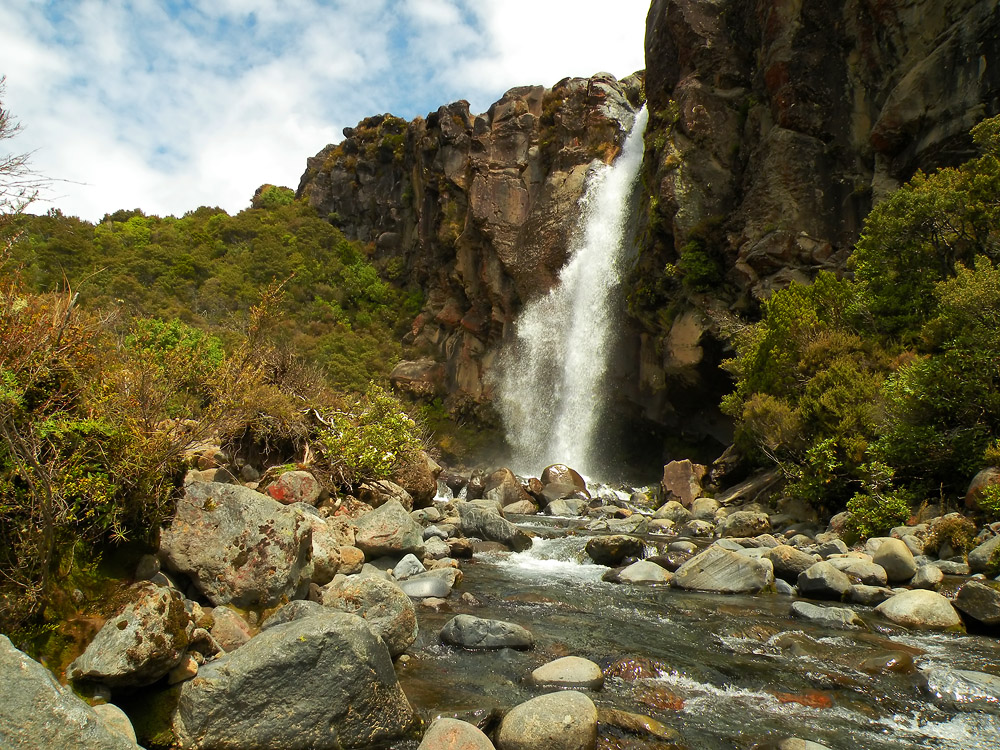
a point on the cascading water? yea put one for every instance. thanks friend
(552, 374)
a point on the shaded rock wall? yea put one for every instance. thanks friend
(774, 126)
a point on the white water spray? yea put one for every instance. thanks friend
(551, 375)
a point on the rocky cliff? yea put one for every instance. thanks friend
(475, 209)
(774, 126)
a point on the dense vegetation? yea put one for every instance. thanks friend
(880, 392)
(207, 268)
(125, 343)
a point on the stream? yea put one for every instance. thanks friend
(727, 671)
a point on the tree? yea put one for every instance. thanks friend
(19, 185)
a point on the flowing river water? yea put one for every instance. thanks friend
(730, 671)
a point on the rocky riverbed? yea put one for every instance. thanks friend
(493, 611)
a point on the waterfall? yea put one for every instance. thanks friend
(551, 375)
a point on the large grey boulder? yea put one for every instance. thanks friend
(564, 720)
(491, 526)
(293, 611)
(381, 602)
(644, 571)
(453, 734)
(569, 672)
(789, 561)
(896, 558)
(388, 530)
(744, 523)
(673, 511)
(980, 601)
(835, 617)
(861, 571)
(720, 570)
(986, 557)
(239, 546)
(476, 633)
(140, 644)
(613, 548)
(823, 581)
(36, 713)
(921, 609)
(319, 682)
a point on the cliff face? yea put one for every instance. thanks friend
(774, 125)
(475, 209)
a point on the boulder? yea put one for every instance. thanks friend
(475, 633)
(744, 523)
(834, 617)
(823, 581)
(523, 508)
(673, 511)
(897, 560)
(504, 488)
(869, 595)
(569, 672)
(381, 602)
(388, 530)
(988, 476)
(239, 546)
(229, 629)
(562, 474)
(453, 734)
(722, 571)
(682, 481)
(408, 566)
(830, 547)
(980, 600)
(328, 535)
(567, 507)
(985, 558)
(612, 549)
(425, 588)
(140, 644)
(704, 508)
(295, 487)
(322, 682)
(116, 720)
(789, 561)
(564, 720)
(419, 478)
(377, 494)
(921, 609)
(436, 549)
(697, 529)
(645, 571)
(491, 526)
(927, 577)
(37, 713)
(860, 571)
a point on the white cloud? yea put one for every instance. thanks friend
(169, 112)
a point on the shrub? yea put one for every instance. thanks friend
(955, 529)
(875, 514)
(370, 439)
(988, 501)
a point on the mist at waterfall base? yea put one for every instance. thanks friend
(552, 376)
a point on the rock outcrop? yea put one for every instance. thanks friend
(472, 208)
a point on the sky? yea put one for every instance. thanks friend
(173, 104)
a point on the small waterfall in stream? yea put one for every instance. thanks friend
(552, 374)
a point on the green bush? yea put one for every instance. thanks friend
(370, 439)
